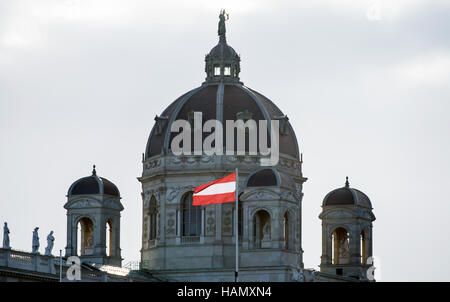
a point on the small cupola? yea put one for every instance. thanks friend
(222, 64)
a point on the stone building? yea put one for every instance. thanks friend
(186, 242)
(182, 242)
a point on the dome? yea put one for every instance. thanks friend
(93, 185)
(221, 97)
(347, 196)
(220, 101)
(223, 50)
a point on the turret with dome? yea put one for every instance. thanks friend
(347, 233)
(93, 220)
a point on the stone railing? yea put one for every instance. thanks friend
(190, 239)
(27, 261)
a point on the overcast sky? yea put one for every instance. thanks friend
(365, 85)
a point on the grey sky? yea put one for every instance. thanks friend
(365, 85)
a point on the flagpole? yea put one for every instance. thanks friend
(236, 217)
(60, 265)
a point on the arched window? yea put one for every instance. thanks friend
(191, 217)
(85, 237)
(286, 231)
(363, 247)
(261, 229)
(152, 219)
(340, 246)
(109, 238)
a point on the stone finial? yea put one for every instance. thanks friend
(94, 172)
(347, 184)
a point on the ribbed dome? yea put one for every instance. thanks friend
(221, 101)
(223, 50)
(221, 97)
(93, 185)
(347, 196)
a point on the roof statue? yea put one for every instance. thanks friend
(6, 236)
(50, 242)
(222, 29)
(35, 245)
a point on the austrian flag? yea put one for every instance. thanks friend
(219, 191)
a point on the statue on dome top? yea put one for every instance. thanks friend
(222, 18)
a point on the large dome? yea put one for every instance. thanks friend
(221, 97)
(220, 101)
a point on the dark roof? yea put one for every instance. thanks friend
(347, 196)
(270, 177)
(221, 104)
(265, 177)
(223, 50)
(93, 185)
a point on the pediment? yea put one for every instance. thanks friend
(260, 195)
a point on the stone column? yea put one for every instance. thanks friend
(245, 228)
(369, 242)
(70, 239)
(100, 236)
(116, 246)
(74, 226)
(162, 213)
(326, 257)
(355, 245)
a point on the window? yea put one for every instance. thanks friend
(227, 71)
(340, 246)
(109, 238)
(216, 70)
(85, 237)
(192, 217)
(152, 219)
(261, 230)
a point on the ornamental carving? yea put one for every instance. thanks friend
(210, 223)
(173, 192)
(262, 195)
(147, 195)
(288, 195)
(171, 223)
(153, 164)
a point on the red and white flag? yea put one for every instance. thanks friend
(219, 191)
